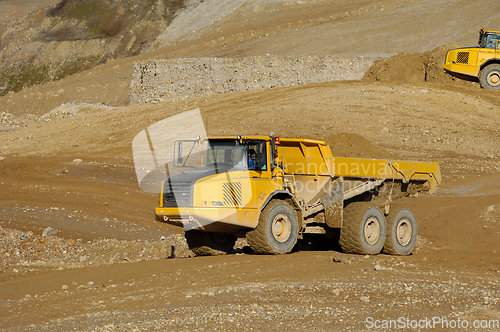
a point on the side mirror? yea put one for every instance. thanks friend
(179, 158)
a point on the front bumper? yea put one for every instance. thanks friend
(461, 69)
(212, 219)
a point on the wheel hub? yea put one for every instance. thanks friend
(281, 228)
(493, 78)
(404, 231)
(372, 230)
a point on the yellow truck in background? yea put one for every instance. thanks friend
(482, 62)
(274, 191)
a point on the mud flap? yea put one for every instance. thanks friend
(333, 201)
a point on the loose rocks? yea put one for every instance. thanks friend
(48, 232)
(337, 257)
(159, 80)
(48, 249)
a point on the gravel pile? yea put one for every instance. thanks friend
(9, 121)
(20, 249)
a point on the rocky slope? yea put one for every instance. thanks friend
(71, 36)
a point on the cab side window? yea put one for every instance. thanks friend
(257, 156)
(492, 41)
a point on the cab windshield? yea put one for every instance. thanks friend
(248, 155)
(488, 40)
(226, 152)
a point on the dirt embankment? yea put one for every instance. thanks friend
(416, 68)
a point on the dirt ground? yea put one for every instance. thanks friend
(107, 267)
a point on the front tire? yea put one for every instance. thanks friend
(210, 244)
(402, 232)
(489, 77)
(277, 231)
(364, 230)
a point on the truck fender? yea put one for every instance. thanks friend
(284, 195)
(489, 62)
(281, 194)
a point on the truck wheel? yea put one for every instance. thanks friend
(489, 77)
(401, 232)
(363, 231)
(277, 230)
(210, 244)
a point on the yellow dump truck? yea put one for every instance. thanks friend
(274, 191)
(482, 62)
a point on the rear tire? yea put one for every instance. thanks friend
(277, 231)
(489, 77)
(210, 244)
(402, 232)
(364, 230)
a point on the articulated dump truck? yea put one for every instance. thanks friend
(481, 62)
(275, 191)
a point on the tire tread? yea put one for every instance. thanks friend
(480, 77)
(389, 244)
(201, 245)
(257, 238)
(350, 234)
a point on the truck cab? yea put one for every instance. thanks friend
(488, 39)
(220, 183)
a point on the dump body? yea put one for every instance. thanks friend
(324, 183)
(301, 171)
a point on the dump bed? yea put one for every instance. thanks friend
(389, 169)
(311, 165)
